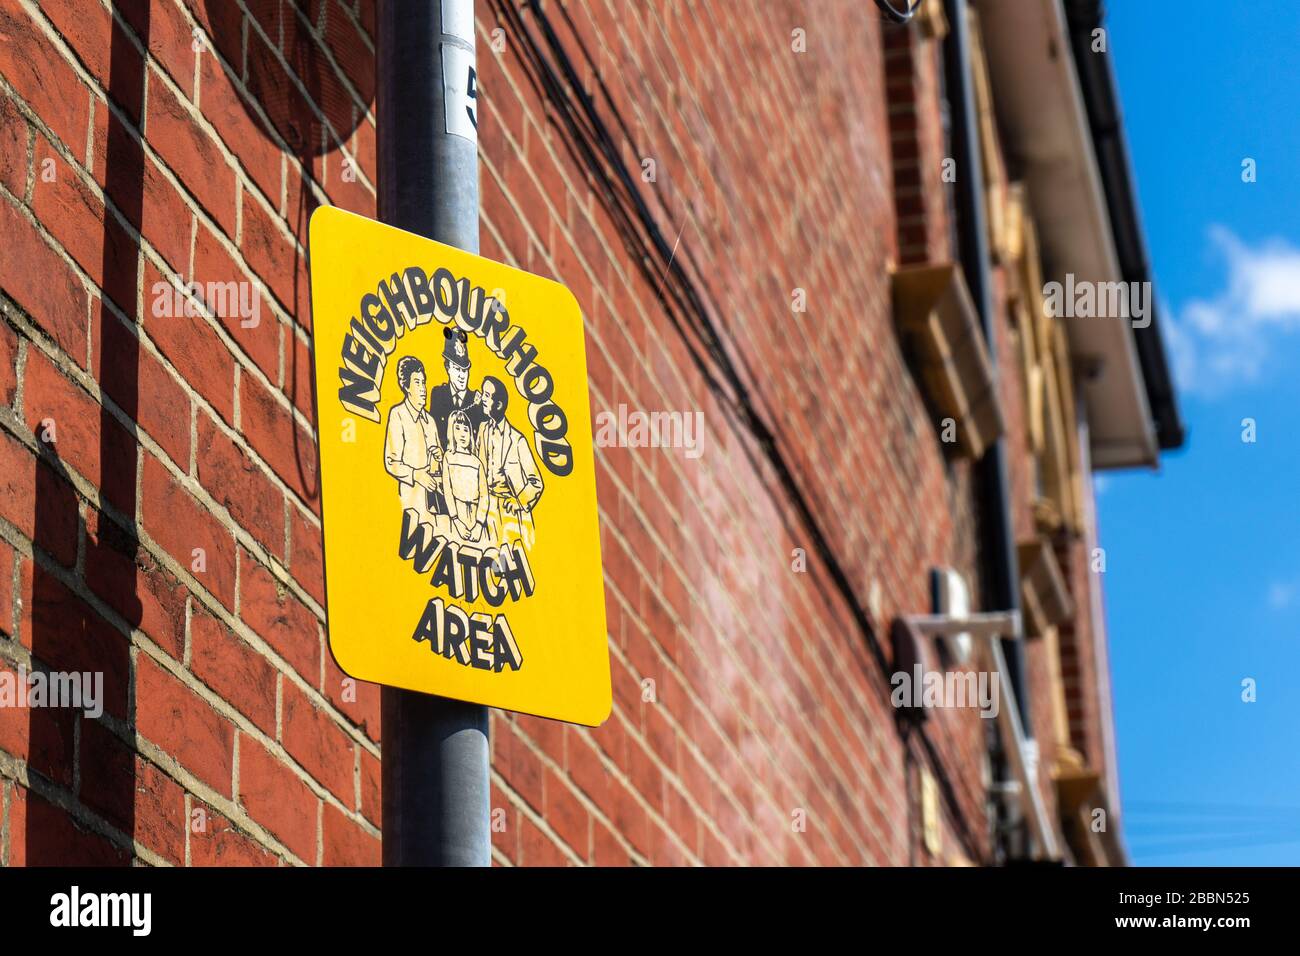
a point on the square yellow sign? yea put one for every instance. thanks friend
(458, 489)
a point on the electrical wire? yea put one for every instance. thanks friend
(687, 304)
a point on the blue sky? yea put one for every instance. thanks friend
(1203, 566)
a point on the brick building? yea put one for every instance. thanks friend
(760, 207)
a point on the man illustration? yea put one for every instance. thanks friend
(454, 394)
(514, 484)
(412, 449)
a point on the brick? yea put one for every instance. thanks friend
(269, 16)
(505, 825)
(274, 435)
(68, 634)
(191, 154)
(103, 48)
(549, 735)
(536, 848)
(173, 517)
(232, 116)
(300, 201)
(8, 572)
(630, 819)
(517, 762)
(566, 815)
(357, 699)
(36, 70)
(164, 26)
(312, 738)
(138, 188)
(671, 782)
(606, 849)
(136, 381)
(258, 333)
(239, 484)
(43, 284)
(291, 116)
(347, 843)
(300, 377)
(73, 427)
(347, 193)
(590, 776)
(496, 210)
(191, 345)
(222, 24)
(43, 737)
(277, 799)
(160, 820)
(220, 843)
(371, 793)
(268, 251)
(50, 837)
(366, 12)
(346, 43)
(107, 775)
(13, 148)
(365, 149)
(8, 365)
(235, 671)
(526, 194)
(39, 502)
(130, 580)
(175, 718)
(282, 620)
(306, 555)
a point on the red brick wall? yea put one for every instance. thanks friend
(775, 169)
(229, 734)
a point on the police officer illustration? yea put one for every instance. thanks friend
(455, 393)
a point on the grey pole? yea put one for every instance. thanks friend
(435, 751)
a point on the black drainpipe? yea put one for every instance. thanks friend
(1001, 591)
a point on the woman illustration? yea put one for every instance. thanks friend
(464, 481)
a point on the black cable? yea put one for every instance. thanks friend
(682, 299)
(688, 307)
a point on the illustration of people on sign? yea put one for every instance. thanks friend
(459, 462)
(412, 448)
(513, 481)
(464, 481)
(455, 393)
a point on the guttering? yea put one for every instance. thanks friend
(1044, 128)
(1002, 576)
(1097, 83)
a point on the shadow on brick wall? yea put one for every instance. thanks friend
(67, 634)
(309, 111)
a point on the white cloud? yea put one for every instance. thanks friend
(1281, 596)
(1219, 343)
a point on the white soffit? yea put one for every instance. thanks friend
(1044, 129)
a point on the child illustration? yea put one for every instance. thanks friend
(464, 481)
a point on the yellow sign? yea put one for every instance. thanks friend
(462, 550)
